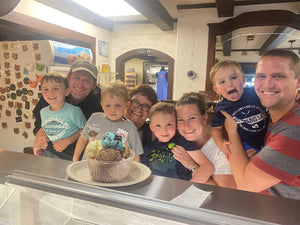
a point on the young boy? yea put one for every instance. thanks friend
(114, 98)
(158, 155)
(241, 103)
(61, 121)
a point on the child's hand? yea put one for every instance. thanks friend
(41, 140)
(60, 145)
(180, 154)
(37, 151)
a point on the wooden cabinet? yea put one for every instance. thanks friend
(130, 80)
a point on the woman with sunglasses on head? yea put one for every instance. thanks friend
(141, 98)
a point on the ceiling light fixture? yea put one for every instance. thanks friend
(291, 41)
(248, 38)
(109, 8)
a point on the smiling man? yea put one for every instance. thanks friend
(84, 93)
(276, 168)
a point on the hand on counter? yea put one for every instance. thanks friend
(40, 142)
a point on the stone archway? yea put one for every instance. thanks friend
(136, 53)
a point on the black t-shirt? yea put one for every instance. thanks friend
(159, 158)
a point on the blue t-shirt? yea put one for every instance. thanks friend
(63, 123)
(159, 158)
(250, 115)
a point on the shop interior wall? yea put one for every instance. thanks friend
(192, 42)
(137, 36)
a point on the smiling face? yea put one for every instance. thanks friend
(190, 123)
(163, 125)
(113, 107)
(276, 85)
(81, 83)
(54, 93)
(229, 82)
(137, 114)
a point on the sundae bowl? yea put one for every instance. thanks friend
(110, 171)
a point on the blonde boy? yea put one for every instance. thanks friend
(61, 121)
(114, 100)
(241, 103)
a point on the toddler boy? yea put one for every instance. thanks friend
(158, 155)
(114, 100)
(61, 121)
(241, 103)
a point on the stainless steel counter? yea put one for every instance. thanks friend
(245, 204)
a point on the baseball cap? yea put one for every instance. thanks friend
(85, 66)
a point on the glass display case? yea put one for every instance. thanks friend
(37, 190)
(36, 199)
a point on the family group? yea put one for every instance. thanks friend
(260, 152)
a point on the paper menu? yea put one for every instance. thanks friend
(191, 197)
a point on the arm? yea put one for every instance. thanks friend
(41, 140)
(194, 159)
(137, 158)
(80, 146)
(62, 144)
(217, 135)
(205, 169)
(247, 176)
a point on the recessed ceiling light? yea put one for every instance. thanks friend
(108, 8)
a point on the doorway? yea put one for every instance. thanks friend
(150, 58)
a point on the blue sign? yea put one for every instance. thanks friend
(67, 54)
(103, 48)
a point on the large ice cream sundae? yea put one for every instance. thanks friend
(109, 159)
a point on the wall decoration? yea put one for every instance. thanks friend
(103, 48)
(105, 68)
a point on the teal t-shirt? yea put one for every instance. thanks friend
(63, 123)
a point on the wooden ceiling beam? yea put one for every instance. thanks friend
(279, 35)
(155, 12)
(8, 6)
(225, 8)
(226, 41)
(236, 3)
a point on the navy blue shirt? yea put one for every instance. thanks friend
(159, 158)
(250, 115)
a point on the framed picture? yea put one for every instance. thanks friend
(105, 68)
(103, 48)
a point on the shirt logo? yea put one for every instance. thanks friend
(250, 118)
(55, 128)
(162, 160)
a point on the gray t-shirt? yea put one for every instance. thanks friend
(217, 158)
(99, 123)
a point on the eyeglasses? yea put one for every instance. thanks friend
(136, 104)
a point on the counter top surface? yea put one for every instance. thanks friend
(246, 204)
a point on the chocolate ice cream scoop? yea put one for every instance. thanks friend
(108, 154)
